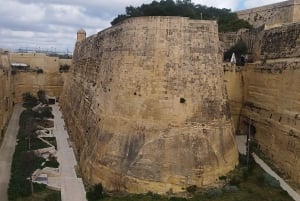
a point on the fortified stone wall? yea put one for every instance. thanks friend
(50, 80)
(6, 92)
(281, 42)
(32, 82)
(13, 83)
(270, 98)
(252, 38)
(272, 15)
(147, 108)
(49, 64)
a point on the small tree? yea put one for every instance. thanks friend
(29, 100)
(95, 192)
(191, 189)
(45, 112)
(240, 48)
(42, 97)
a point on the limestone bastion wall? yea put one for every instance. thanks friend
(6, 92)
(268, 94)
(147, 107)
(273, 14)
(281, 42)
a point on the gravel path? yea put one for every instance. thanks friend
(72, 188)
(7, 150)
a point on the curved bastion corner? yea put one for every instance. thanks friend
(147, 108)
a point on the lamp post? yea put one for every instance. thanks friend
(248, 143)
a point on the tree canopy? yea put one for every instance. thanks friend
(227, 20)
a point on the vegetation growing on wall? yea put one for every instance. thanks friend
(64, 68)
(227, 20)
(243, 183)
(240, 50)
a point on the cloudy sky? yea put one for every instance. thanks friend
(52, 24)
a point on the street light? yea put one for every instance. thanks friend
(248, 142)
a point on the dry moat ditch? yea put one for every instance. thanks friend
(36, 147)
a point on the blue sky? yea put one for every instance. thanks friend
(52, 24)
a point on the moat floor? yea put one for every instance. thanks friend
(241, 143)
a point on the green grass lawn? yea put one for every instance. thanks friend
(45, 195)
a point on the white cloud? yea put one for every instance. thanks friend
(14, 10)
(257, 3)
(231, 4)
(54, 23)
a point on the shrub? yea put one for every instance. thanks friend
(191, 189)
(44, 112)
(271, 180)
(95, 193)
(52, 163)
(29, 100)
(55, 196)
(154, 196)
(239, 49)
(23, 164)
(235, 180)
(64, 68)
(177, 199)
(215, 192)
(42, 97)
(39, 71)
(231, 188)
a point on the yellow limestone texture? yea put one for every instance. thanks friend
(51, 80)
(6, 92)
(147, 108)
(267, 93)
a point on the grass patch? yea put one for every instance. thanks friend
(45, 195)
(23, 165)
(35, 143)
(51, 163)
(46, 123)
(242, 184)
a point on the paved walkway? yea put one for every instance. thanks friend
(7, 150)
(72, 188)
(241, 142)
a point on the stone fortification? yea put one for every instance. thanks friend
(32, 82)
(281, 42)
(15, 82)
(50, 78)
(49, 64)
(147, 108)
(269, 98)
(6, 92)
(272, 15)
